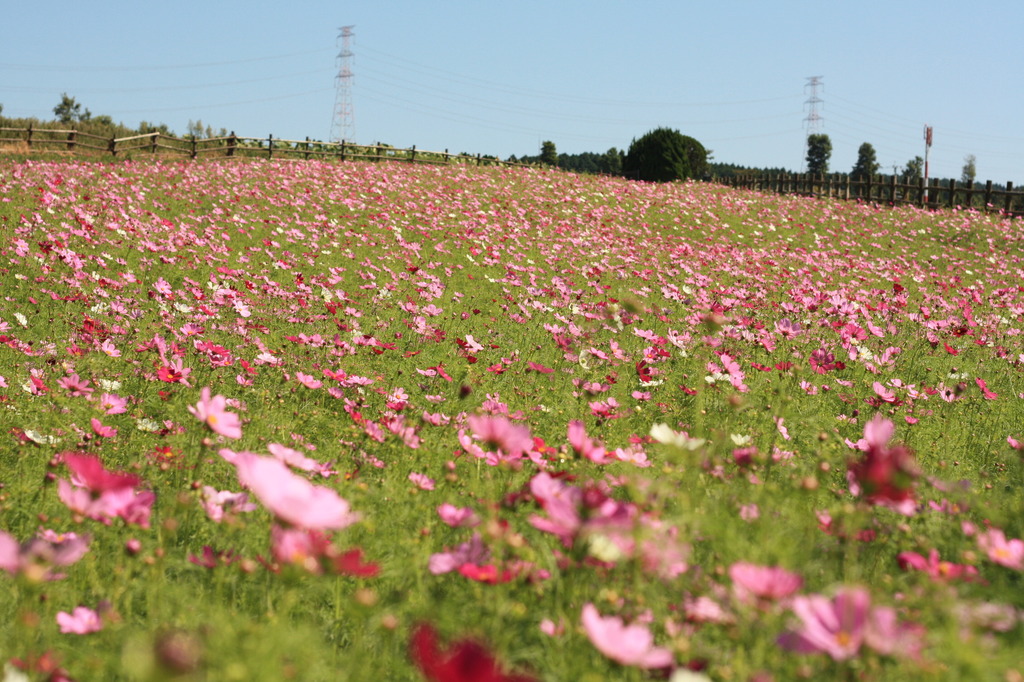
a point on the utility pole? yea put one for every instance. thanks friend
(813, 120)
(343, 124)
(927, 146)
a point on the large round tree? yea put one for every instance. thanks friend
(663, 155)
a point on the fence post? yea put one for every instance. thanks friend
(28, 138)
(447, 160)
(921, 192)
(892, 190)
(192, 153)
(342, 150)
(270, 146)
(378, 150)
(232, 143)
(952, 193)
(412, 154)
(305, 154)
(970, 194)
(155, 136)
(988, 195)
(112, 146)
(71, 140)
(1009, 198)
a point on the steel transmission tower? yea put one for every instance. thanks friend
(813, 120)
(343, 125)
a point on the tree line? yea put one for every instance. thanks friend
(819, 152)
(661, 155)
(70, 112)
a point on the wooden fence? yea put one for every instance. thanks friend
(889, 189)
(75, 141)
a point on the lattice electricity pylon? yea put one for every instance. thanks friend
(343, 125)
(813, 120)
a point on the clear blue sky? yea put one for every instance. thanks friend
(491, 77)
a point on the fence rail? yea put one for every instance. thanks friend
(889, 189)
(74, 141)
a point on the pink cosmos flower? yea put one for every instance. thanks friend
(36, 558)
(885, 474)
(174, 373)
(934, 567)
(308, 380)
(102, 431)
(296, 459)
(457, 517)
(577, 437)
(422, 481)
(751, 582)
(221, 503)
(472, 552)
(213, 413)
(113, 404)
(1009, 553)
(81, 621)
(840, 626)
(75, 386)
(631, 645)
(499, 432)
(313, 551)
(291, 498)
(87, 471)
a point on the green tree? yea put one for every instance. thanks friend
(867, 163)
(69, 111)
(819, 151)
(548, 153)
(611, 162)
(914, 170)
(663, 155)
(970, 170)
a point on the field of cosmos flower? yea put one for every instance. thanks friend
(321, 421)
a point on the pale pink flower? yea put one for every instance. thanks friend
(36, 558)
(631, 645)
(422, 481)
(296, 459)
(110, 349)
(81, 621)
(577, 437)
(842, 625)
(291, 498)
(1009, 553)
(221, 503)
(308, 380)
(457, 517)
(472, 552)
(113, 404)
(749, 512)
(513, 440)
(75, 386)
(213, 413)
(751, 582)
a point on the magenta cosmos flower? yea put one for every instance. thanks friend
(292, 498)
(213, 413)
